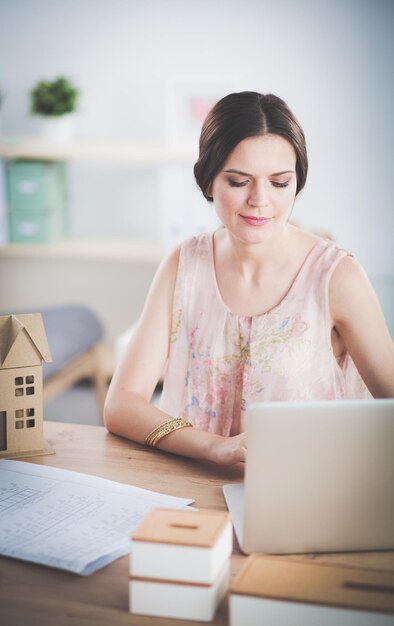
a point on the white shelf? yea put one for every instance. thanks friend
(132, 152)
(115, 249)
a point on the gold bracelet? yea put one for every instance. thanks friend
(165, 429)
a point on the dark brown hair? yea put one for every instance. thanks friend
(238, 116)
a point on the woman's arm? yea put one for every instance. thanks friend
(359, 321)
(128, 411)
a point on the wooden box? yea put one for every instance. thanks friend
(180, 563)
(181, 545)
(275, 590)
(177, 599)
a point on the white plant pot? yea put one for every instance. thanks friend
(59, 130)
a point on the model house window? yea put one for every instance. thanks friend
(3, 430)
(29, 380)
(20, 390)
(20, 413)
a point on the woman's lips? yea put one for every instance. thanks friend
(255, 221)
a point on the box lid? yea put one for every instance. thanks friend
(182, 527)
(280, 578)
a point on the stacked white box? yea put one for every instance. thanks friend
(180, 563)
(289, 592)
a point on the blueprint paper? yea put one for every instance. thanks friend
(69, 520)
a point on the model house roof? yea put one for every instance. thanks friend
(23, 341)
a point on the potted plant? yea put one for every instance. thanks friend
(55, 102)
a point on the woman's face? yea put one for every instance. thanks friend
(254, 192)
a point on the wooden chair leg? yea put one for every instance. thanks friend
(96, 364)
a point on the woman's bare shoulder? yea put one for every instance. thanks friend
(348, 270)
(350, 290)
(169, 265)
(303, 240)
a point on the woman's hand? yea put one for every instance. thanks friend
(228, 450)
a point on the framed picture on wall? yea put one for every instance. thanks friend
(188, 101)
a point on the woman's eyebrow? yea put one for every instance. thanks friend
(232, 171)
(284, 172)
(237, 172)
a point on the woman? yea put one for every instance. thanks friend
(257, 311)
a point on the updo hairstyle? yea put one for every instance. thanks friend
(238, 116)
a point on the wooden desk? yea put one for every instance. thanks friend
(37, 595)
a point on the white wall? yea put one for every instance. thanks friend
(331, 60)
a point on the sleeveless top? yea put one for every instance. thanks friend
(219, 362)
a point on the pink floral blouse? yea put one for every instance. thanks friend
(220, 362)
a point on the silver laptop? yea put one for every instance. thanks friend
(319, 478)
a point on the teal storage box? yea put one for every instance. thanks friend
(37, 201)
(36, 226)
(36, 185)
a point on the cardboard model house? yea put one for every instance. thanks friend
(23, 347)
